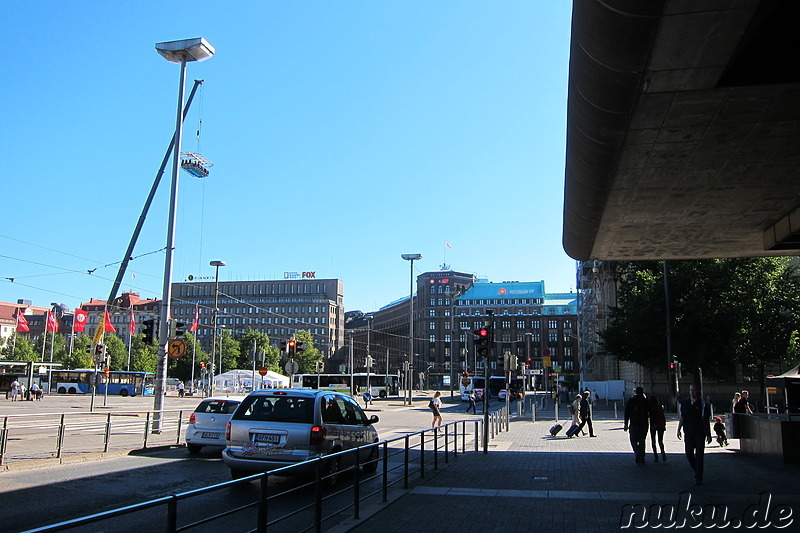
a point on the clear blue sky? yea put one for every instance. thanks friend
(343, 134)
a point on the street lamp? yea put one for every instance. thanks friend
(410, 378)
(182, 51)
(216, 265)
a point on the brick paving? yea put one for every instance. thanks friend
(532, 482)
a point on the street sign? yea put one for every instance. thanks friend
(291, 367)
(176, 348)
(547, 361)
(263, 370)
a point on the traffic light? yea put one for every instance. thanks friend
(292, 347)
(319, 366)
(284, 348)
(202, 365)
(298, 346)
(178, 329)
(482, 342)
(149, 330)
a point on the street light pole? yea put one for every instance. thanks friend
(216, 265)
(410, 378)
(181, 52)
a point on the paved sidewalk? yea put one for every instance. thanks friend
(530, 481)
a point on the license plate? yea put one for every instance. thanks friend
(211, 435)
(264, 437)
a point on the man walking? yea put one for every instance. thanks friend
(696, 424)
(586, 414)
(637, 417)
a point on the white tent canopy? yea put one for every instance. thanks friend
(238, 381)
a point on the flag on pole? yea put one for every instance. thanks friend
(22, 322)
(193, 328)
(79, 321)
(132, 326)
(108, 326)
(448, 245)
(52, 323)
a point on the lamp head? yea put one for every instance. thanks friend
(196, 49)
(411, 257)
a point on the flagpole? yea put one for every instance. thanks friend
(52, 342)
(72, 335)
(131, 326)
(44, 336)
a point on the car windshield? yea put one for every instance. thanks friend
(220, 407)
(293, 409)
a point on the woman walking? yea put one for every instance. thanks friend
(436, 405)
(658, 425)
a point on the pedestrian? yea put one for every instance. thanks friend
(585, 413)
(471, 400)
(14, 390)
(595, 397)
(574, 408)
(696, 424)
(180, 389)
(435, 405)
(743, 405)
(35, 392)
(736, 397)
(637, 417)
(658, 425)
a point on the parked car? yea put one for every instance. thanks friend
(273, 428)
(513, 395)
(208, 422)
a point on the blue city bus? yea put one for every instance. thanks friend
(119, 383)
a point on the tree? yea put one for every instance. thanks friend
(272, 356)
(80, 358)
(723, 311)
(52, 344)
(20, 349)
(228, 352)
(307, 359)
(144, 358)
(116, 351)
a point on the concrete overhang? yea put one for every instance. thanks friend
(683, 130)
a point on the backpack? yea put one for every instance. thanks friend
(430, 405)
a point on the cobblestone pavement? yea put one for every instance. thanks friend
(530, 481)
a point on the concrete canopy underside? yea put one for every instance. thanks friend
(683, 130)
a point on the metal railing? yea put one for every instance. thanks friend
(52, 435)
(409, 456)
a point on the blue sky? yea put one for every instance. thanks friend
(343, 134)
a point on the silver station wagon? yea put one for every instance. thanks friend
(208, 422)
(273, 428)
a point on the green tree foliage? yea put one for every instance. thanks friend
(309, 356)
(80, 358)
(144, 358)
(117, 352)
(227, 351)
(54, 343)
(20, 349)
(723, 311)
(271, 355)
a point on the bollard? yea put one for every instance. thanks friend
(533, 412)
(556, 411)
(615, 411)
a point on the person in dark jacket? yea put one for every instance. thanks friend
(637, 418)
(658, 425)
(586, 414)
(696, 424)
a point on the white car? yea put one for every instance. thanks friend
(208, 422)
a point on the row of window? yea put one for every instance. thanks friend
(254, 288)
(506, 301)
(277, 332)
(317, 309)
(264, 320)
(506, 324)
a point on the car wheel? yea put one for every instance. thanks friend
(238, 474)
(372, 463)
(330, 472)
(195, 449)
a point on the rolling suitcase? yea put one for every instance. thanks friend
(556, 429)
(572, 431)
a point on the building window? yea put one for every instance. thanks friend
(432, 312)
(432, 325)
(552, 338)
(432, 339)
(552, 324)
(520, 324)
(433, 301)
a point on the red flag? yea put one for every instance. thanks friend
(79, 321)
(107, 325)
(52, 322)
(132, 327)
(22, 322)
(193, 328)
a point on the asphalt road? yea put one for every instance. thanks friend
(33, 497)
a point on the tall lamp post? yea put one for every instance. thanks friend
(216, 265)
(410, 376)
(182, 51)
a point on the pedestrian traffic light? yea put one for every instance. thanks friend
(481, 342)
(149, 330)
